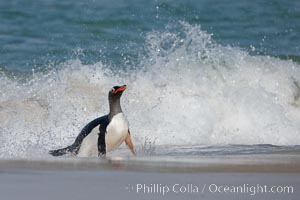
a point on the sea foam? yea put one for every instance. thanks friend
(187, 89)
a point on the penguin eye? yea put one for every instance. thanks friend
(113, 90)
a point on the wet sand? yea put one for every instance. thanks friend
(285, 163)
(122, 177)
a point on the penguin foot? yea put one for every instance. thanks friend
(129, 143)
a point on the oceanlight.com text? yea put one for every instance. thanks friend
(250, 189)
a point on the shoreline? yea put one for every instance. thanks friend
(255, 163)
(120, 177)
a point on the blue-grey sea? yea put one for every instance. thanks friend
(220, 76)
(37, 33)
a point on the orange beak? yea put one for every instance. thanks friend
(120, 89)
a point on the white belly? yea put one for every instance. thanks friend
(116, 132)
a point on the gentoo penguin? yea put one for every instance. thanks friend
(114, 128)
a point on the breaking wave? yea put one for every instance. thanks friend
(186, 90)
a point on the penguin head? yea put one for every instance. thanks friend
(116, 92)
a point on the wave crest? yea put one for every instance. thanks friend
(187, 89)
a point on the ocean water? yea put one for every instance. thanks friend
(204, 77)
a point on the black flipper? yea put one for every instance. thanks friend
(74, 148)
(101, 139)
